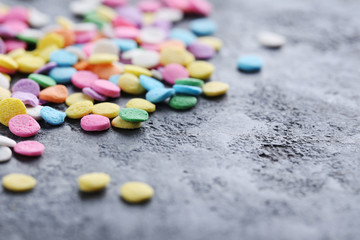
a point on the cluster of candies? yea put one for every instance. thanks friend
(117, 48)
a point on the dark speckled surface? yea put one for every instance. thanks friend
(276, 158)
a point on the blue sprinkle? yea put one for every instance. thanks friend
(159, 94)
(189, 90)
(203, 26)
(125, 44)
(62, 75)
(183, 35)
(63, 58)
(150, 83)
(52, 116)
(115, 79)
(250, 63)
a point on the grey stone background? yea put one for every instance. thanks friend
(276, 158)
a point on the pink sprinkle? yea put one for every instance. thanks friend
(16, 26)
(149, 6)
(178, 4)
(84, 37)
(88, 48)
(7, 71)
(95, 122)
(24, 126)
(29, 148)
(174, 71)
(127, 32)
(82, 79)
(17, 13)
(106, 88)
(115, 3)
(14, 44)
(150, 46)
(202, 7)
(122, 22)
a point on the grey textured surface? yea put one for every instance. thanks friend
(277, 158)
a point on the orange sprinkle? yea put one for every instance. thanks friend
(104, 71)
(54, 94)
(81, 65)
(68, 35)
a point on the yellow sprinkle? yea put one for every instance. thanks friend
(51, 39)
(201, 70)
(136, 70)
(148, 18)
(4, 93)
(10, 107)
(100, 58)
(77, 97)
(29, 64)
(79, 109)
(93, 182)
(118, 122)
(136, 192)
(7, 62)
(141, 104)
(214, 89)
(106, 13)
(173, 55)
(214, 42)
(18, 182)
(16, 53)
(190, 58)
(130, 83)
(64, 22)
(106, 109)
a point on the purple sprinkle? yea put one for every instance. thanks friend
(47, 67)
(201, 51)
(130, 13)
(27, 98)
(93, 94)
(42, 102)
(26, 85)
(6, 32)
(163, 24)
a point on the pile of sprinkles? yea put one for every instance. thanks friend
(139, 50)
(117, 48)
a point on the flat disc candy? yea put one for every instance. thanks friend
(24, 126)
(26, 85)
(43, 80)
(250, 63)
(182, 102)
(95, 122)
(5, 154)
(134, 115)
(29, 148)
(136, 192)
(201, 50)
(18, 182)
(106, 88)
(9, 108)
(52, 116)
(27, 98)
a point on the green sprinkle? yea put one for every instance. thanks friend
(43, 80)
(190, 82)
(133, 115)
(94, 18)
(27, 39)
(182, 102)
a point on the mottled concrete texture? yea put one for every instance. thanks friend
(277, 158)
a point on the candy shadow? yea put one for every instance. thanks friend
(140, 204)
(94, 195)
(249, 72)
(17, 193)
(26, 159)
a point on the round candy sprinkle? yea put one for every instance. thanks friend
(77, 97)
(34, 112)
(183, 35)
(63, 58)
(150, 83)
(62, 75)
(159, 94)
(95, 122)
(118, 122)
(182, 102)
(134, 115)
(271, 40)
(141, 104)
(188, 90)
(17, 182)
(93, 94)
(52, 116)
(54, 94)
(136, 70)
(250, 63)
(79, 109)
(4, 83)
(174, 71)
(106, 88)
(203, 26)
(47, 67)
(214, 89)
(82, 79)
(201, 50)
(5, 154)
(43, 80)
(109, 110)
(201, 70)
(93, 182)
(214, 42)
(26, 85)
(7, 142)
(4, 93)
(190, 82)
(130, 83)
(24, 126)
(29, 148)
(136, 192)
(26, 97)
(9, 108)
